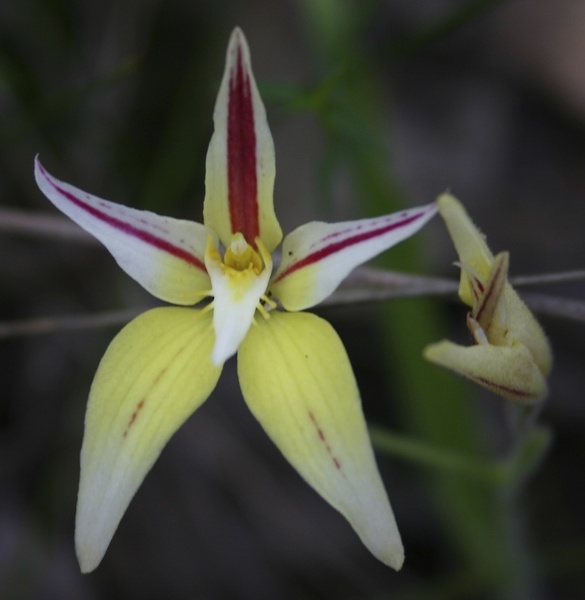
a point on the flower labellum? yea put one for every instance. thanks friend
(511, 355)
(294, 372)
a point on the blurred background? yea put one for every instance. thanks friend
(374, 105)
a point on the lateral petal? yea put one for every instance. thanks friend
(155, 373)
(509, 371)
(317, 257)
(162, 254)
(240, 169)
(297, 381)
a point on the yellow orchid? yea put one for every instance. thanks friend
(294, 372)
(511, 356)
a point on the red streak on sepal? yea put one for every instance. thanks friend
(340, 245)
(241, 151)
(123, 226)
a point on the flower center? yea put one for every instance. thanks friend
(238, 286)
(242, 268)
(240, 256)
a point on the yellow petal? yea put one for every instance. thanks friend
(297, 380)
(240, 169)
(154, 374)
(510, 371)
(470, 244)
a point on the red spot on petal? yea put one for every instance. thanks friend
(322, 437)
(133, 417)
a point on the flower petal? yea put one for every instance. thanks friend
(155, 373)
(316, 257)
(297, 380)
(474, 255)
(240, 173)
(162, 254)
(509, 371)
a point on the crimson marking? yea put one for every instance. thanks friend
(342, 244)
(133, 417)
(321, 435)
(488, 293)
(241, 150)
(502, 388)
(127, 228)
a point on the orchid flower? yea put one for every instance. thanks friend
(294, 372)
(511, 356)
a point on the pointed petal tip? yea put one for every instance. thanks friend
(431, 352)
(91, 541)
(88, 560)
(395, 557)
(238, 40)
(237, 35)
(446, 198)
(39, 170)
(376, 526)
(385, 544)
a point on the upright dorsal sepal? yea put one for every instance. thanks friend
(239, 181)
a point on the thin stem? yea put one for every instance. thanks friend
(431, 456)
(58, 324)
(39, 225)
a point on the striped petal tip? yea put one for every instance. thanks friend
(511, 356)
(164, 255)
(297, 381)
(240, 167)
(317, 257)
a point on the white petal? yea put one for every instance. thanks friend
(162, 254)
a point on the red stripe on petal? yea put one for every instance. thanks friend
(502, 389)
(326, 251)
(241, 149)
(127, 228)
